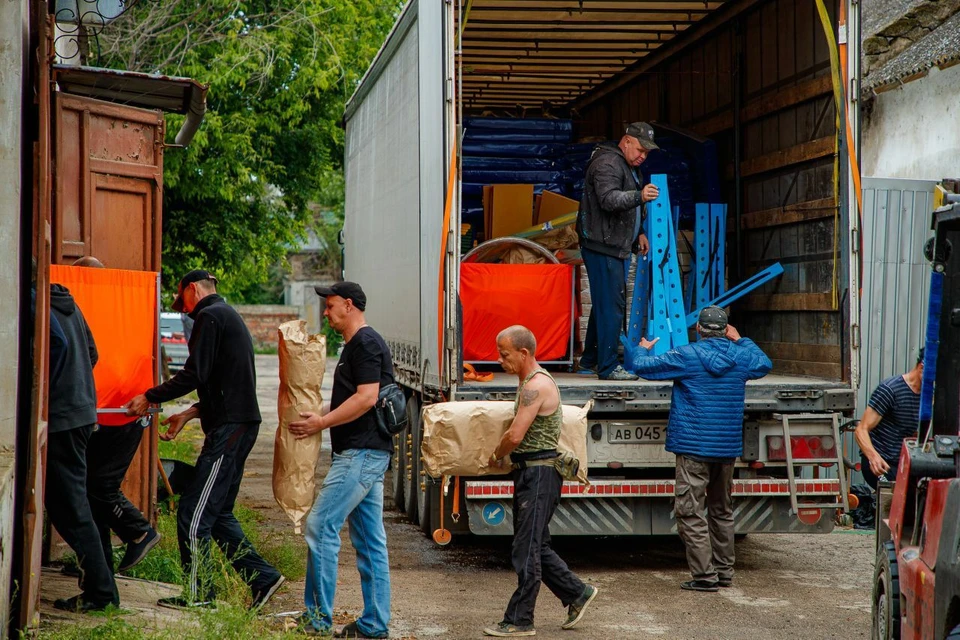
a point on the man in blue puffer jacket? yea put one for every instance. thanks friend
(705, 431)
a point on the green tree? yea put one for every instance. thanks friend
(279, 74)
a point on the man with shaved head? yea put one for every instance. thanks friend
(531, 442)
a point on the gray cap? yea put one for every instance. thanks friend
(713, 318)
(643, 132)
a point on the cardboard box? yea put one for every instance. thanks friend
(511, 209)
(553, 205)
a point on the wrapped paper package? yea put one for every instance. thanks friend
(303, 358)
(458, 437)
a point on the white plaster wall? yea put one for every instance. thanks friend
(914, 131)
(12, 16)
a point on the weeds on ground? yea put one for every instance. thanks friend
(226, 621)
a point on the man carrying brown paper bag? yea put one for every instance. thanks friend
(531, 441)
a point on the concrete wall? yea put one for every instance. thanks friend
(12, 51)
(263, 320)
(912, 131)
(302, 295)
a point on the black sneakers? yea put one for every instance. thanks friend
(576, 610)
(179, 602)
(620, 374)
(351, 630)
(261, 596)
(508, 630)
(700, 585)
(77, 604)
(137, 551)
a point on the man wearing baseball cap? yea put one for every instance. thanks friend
(221, 369)
(353, 489)
(705, 431)
(610, 228)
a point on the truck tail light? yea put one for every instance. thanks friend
(802, 447)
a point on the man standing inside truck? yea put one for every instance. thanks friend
(531, 442)
(705, 432)
(610, 227)
(221, 369)
(892, 414)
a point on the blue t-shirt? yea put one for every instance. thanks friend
(899, 407)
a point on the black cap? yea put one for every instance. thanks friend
(348, 290)
(643, 132)
(194, 276)
(713, 318)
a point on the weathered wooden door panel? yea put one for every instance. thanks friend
(109, 176)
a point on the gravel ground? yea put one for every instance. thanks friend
(787, 586)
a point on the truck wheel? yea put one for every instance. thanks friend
(886, 595)
(429, 503)
(399, 467)
(411, 476)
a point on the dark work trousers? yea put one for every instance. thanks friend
(704, 514)
(536, 494)
(66, 498)
(109, 455)
(608, 294)
(870, 478)
(206, 513)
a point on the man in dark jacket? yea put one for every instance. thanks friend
(610, 227)
(221, 369)
(72, 414)
(705, 431)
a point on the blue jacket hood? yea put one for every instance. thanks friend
(714, 354)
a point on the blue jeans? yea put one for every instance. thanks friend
(353, 492)
(608, 291)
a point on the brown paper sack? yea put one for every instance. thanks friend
(303, 358)
(459, 437)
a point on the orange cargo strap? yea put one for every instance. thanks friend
(447, 207)
(472, 375)
(455, 509)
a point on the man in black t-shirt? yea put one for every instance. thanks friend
(353, 488)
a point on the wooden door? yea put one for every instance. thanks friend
(109, 180)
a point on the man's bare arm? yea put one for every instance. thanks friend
(531, 400)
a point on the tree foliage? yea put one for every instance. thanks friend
(279, 74)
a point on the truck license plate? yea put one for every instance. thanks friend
(625, 433)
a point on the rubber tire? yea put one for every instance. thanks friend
(398, 467)
(411, 478)
(885, 609)
(429, 502)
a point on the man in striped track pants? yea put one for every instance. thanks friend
(221, 369)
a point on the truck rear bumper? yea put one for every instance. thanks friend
(644, 507)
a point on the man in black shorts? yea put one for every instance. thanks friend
(353, 488)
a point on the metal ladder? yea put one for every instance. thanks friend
(832, 430)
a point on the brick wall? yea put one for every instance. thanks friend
(263, 320)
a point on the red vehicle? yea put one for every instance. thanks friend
(916, 591)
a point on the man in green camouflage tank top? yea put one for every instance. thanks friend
(531, 443)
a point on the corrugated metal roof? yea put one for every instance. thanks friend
(941, 47)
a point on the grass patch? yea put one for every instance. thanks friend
(265, 349)
(284, 549)
(227, 621)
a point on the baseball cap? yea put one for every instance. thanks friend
(194, 276)
(713, 318)
(643, 132)
(349, 290)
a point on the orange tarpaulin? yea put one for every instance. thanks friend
(496, 296)
(121, 310)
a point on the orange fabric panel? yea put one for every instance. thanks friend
(496, 296)
(121, 310)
